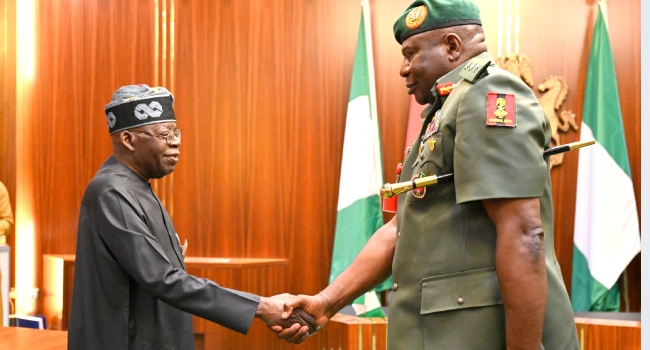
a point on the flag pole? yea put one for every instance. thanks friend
(626, 295)
(365, 8)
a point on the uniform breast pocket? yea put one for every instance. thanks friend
(433, 156)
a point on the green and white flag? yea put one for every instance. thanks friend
(359, 207)
(606, 236)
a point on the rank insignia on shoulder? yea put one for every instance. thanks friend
(501, 110)
(475, 69)
(445, 89)
(419, 192)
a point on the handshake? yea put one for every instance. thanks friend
(293, 318)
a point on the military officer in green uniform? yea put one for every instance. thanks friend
(472, 260)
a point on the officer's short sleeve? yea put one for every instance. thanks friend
(493, 161)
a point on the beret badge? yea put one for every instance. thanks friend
(416, 17)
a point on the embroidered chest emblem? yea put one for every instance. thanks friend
(501, 110)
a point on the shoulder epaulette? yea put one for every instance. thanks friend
(475, 69)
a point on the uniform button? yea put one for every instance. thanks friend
(398, 233)
(394, 287)
(461, 301)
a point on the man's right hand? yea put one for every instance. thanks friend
(313, 305)
(295, 328)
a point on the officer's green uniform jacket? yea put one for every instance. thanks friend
(446, 294)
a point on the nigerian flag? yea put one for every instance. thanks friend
(359, 207)
(606, 236)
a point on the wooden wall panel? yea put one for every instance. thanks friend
(85, 51)
(82, 59)
(604, 334)
(8, 102)
(261, 94)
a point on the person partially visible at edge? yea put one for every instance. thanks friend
(131, 290)
(6, 215)
(6, 222)
(472, 260)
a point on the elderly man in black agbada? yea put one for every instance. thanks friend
(130, 288)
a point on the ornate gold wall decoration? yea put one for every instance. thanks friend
(518, 65)
(553, 91)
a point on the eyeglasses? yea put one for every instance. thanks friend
(168, 136)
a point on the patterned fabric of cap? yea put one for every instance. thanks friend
(425, 15)
(137, 105)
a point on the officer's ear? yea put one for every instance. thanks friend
(454, 46)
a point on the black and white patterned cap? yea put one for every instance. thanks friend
(137, 105)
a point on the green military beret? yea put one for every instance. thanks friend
(425, 15)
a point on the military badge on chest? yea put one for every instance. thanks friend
(501, 110)
(419, 192)
(426, 141)
(425, 150)
(433, 126)
(407, 151)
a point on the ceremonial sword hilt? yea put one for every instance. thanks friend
(389, 190)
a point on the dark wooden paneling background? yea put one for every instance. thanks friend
(8, 97)
(261, 95)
